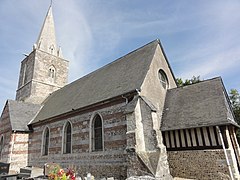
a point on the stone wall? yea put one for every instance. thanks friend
(43, 61)
(5, 132)
(151, 87)
(111, 162)
(136, 167)
(146, 153)
(15, 147)
(35, 80)
(198, 164)
(19, 151)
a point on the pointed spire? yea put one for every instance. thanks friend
(47, 38)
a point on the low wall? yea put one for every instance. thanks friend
(198, 164)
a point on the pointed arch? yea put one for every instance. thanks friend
(46, 141)
(1, 146)
(67, 138)
(96, 133)
(52, 73)
(52, 49)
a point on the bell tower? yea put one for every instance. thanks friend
(44, 70)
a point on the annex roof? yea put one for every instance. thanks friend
(21, 114)
(122, 76)
(197, 105)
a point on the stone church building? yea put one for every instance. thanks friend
(125, 119)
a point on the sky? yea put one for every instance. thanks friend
(198, 37)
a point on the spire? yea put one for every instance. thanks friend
(47, 39)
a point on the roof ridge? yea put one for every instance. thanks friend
(200, 82)
(11, 101)
(110, 63)
(123, 75)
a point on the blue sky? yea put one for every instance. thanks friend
(199, 37)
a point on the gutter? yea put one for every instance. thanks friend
(126, 99)
(79, 110)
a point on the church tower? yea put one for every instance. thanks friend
(44, 70)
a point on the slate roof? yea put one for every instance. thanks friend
(202, 104)
(124, 75)
(21, 114)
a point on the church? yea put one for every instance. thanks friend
(128, 118)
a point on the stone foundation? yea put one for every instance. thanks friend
(198, 164)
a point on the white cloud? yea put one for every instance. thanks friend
(74, 35)
(214, 65)
(202, 38)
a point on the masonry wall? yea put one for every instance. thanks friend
(198, 164)
(145, 152)
(5, 132)
(35, 82)
(15, 145)
(151, 87)
(43, 62)
(108, 163)
(18, 151)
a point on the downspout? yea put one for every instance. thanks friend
(126, 99)
(225, 152)
(12, 144)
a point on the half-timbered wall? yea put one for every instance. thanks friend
(198, 152)
(195, 138)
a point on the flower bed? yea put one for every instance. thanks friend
(57, 173)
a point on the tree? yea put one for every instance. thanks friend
(193, 80)
(235, 101)
(179, 82)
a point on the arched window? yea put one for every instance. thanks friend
(67, 139)
(1, 146)
(163, 79)
(52, 73)
(46, 141)
(97, 134)
(52, 48)
(24, 74)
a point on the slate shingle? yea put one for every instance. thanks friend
(197, 105)
(124, 75)
(21, 114)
